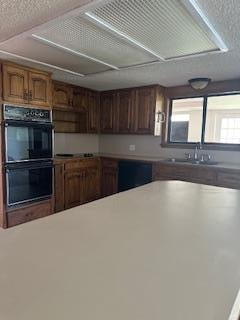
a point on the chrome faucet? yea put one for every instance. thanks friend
(196, 151)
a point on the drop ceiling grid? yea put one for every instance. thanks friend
(36, 50)
(83, 36)
(156, 24)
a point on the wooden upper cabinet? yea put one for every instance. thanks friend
(80, 99)
(80, 104)
(93, 113)
(26, 86)
(133, 111)
(144, 113)
(125, 100)
(62, 95)
(76, 109)
(15, 84)
(39, 89)
(108, 112)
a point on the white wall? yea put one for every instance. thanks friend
(119, 144)
(76, 143)
(150, 146)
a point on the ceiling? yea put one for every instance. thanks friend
(104, 44)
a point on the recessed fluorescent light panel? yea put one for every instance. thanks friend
(40, 63)
(166, 29)
(82, 37)
(122, 34)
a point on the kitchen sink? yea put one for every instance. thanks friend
(191, 161)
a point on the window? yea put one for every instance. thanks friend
(208, 119)
(186, 120)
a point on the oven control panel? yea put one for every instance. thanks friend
(26, 114)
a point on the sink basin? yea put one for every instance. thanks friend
(196, 162)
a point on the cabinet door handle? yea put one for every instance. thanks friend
(30, 94)
(25, 94)
(161, 117)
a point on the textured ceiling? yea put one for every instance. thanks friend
(17, 16)
(223, 14)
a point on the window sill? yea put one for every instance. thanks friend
(205, 146)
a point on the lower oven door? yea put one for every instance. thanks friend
(28, 182)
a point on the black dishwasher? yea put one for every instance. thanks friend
(133, 174)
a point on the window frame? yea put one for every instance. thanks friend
(205, 145)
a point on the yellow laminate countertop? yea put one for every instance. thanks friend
(163, 251)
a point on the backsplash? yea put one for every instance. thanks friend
(120, 144)
(76, 143)
(150, 146)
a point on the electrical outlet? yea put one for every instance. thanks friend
(132, 147)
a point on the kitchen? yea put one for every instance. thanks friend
(103, 125)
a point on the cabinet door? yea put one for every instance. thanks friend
(93, 113)
(15, 84)
(228, 179)
(125, 115)
(109, 183)
(74, 188)
(80, 104)
(59, 187)
(92, 184)
(108, 112)
(62, 96)
(80, 99)
(39, 89)
(144, 110)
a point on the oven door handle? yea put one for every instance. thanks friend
(28, 166)
(19, 123)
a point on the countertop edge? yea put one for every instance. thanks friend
(153, 160)
(235, 313)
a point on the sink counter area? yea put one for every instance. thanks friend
(129, 256)
(222, 165)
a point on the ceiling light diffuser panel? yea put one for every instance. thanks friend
(42, 52)
(84, 37)
(124, 33)
(167, 28)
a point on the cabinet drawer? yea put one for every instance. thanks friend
(81, 164)
(26, 214)
(91, 163)
(111, 163)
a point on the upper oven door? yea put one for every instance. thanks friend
(28, 141)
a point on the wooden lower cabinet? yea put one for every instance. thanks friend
(227, 178)
(109, 177)
(74, 188)
(59, 187)
(76, 182)
(92, 184)
(29, 213)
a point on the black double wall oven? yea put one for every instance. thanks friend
(29, 152)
